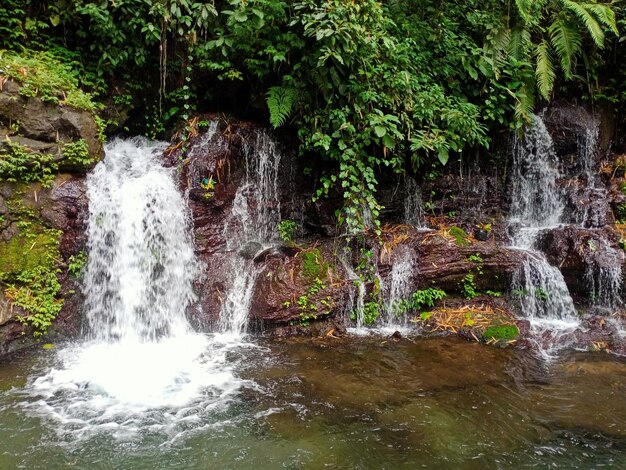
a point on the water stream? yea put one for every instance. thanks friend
(536, 206)
(251, 226)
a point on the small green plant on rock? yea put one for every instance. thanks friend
(77, 153)
(38, 295)
(311, 306)
(208, 184)
(286, 229)
(420, 299)
(19, 163)
(77, 263)
(469, 286)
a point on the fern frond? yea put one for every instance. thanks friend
(605, 15)
(567, 42)
(544, 70)
(591, 24)
(280, 103)
(520, 43)
(524, 103)
(523, 9)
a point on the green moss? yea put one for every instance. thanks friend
(44, 75)
(313, 265)
(28, 268)
(35, 246)
(501, 333)
(460, 236)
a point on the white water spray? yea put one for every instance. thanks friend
(398, 287)
(413, 204)
(138, 280)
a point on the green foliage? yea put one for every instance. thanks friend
(475, 258)
(28, 268)
(19, 163)
(420, 299)
(371, 312)
(286, 229)
(37, 292)
(460, 236)
(77, 263)
(77, 153)
(468, 286)
(312, 305)
(44, 75)
(501, 333)
(539, 35)
(280, 103)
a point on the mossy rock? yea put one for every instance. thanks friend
(501, 333)
(313, 264)
(33, 247)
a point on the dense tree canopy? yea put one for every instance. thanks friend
(369, 86)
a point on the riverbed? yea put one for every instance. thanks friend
(366, 402)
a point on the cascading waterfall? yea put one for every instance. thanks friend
(603, 275)
(536, 201)
(536, 206)
(142, 368)
(413, 205)
(398, 288)
(253, 220)
(138, 280)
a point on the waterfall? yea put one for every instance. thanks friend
(603, 275)
(536, 206)
(138, 280)
(413, 205)
(140, 367)
(535, 199)
(253, 221)
(399, 287)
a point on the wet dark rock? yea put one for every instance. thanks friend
(45, 127)
(396, 336)
(573, 249)
(285, 292)
(280, 251)
(566, 124)
(481, 235)
(250, 250)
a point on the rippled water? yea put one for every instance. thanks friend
(331, 403)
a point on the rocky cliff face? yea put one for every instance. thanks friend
(449, 231)
(462, 246)
(43, 208)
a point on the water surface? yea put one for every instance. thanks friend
(329, 403)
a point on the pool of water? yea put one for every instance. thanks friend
(356, 402)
